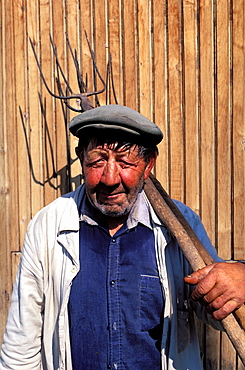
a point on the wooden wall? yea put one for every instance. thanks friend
(179, 62)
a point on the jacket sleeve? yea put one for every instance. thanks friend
(197, 225)
(22, 340)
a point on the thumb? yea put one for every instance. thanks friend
(198, 275)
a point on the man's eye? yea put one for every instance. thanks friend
(125, 164)
(97, 163)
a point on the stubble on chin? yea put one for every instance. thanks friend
(112, 211)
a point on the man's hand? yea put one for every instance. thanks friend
(220, 287)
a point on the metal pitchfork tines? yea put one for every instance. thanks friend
(84, 93)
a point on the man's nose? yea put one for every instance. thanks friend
(110, 175)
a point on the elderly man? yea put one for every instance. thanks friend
(101, 281)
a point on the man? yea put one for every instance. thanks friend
(101, 281)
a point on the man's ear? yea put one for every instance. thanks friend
(78, 153)
(149, 166)
(79, 156)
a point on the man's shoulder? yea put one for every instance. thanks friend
(188, 213)
(63, 204)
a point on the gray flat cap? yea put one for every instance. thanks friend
(117, 119)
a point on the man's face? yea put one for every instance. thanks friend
(114, 177)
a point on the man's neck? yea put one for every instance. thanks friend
(115, 223)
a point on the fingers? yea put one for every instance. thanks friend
(220, 287)
(205, 283)
(219, 305)
(223, 310)
(196, 276)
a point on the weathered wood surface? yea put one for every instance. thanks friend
(181, 63)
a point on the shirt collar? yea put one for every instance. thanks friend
(138, 214)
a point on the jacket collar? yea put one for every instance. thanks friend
(69, 219)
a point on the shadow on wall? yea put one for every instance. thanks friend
(66, 183)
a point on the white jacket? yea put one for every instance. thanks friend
(37, 332)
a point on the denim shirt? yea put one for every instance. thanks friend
(116, 299)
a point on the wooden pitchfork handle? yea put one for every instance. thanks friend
(195, 253)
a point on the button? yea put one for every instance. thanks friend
(74, 269)
(114, 325)
(113, 283)
(113, 240)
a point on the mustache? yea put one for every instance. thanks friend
(110, 190)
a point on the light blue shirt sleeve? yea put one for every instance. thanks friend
(197, 225)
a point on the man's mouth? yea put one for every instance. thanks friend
(112, 195)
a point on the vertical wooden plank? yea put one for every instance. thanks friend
(207, 116)
(223, 130)
(86, 25)
(11, 132)
(228, 354)
(238, 129)
(34, 118)
(100, 39)
(175, 81)
(11, 129)
(145, 58)
(23, 180)
(160, 88)
(115, 47)
(208, 151)
(61, 141)
(224, 168)
(191, 106)
(130, 55)
(9, 198)
(49, 146)
(72, 29)
(4, 208)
